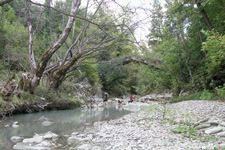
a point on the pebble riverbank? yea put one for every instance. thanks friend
(150, 128)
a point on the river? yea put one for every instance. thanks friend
(64, 123)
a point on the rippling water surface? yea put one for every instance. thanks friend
(64, 122)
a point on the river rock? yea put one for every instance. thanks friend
(214, 130)
(15, 125)
(84, 147)
(36, 139)
(214, 121)
(23, 146)
(7, 125)
(46, 143)
(222, 124)
(221, 134)
(74, 133)
(222, 145)
(47, 123)
(16, 139)
(71, 140)
(202, 126)
(50, 135)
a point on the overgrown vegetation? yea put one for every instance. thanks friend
(201, 95)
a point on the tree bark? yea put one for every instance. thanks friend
(129, 59)
(50, 22)
(47, 55)
(188, 55)
(179, 59)
(205, 16)
(30, 40)
(58, 75)
(5, 2)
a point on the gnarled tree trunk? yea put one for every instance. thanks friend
(30, 81)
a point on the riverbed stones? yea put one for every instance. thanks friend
(146, 129)
(23, 146)
(44, 141)
(214, 130)
(221, 134)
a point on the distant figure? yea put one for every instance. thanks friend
(120, 100)
(106, 97)
(131, 99)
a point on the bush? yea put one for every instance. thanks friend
(45, 92)
(192, 96)
(29, 97)
(206, 95)
(221, 91)
(72, 99)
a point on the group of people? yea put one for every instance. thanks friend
(130, 101)
(106, 97)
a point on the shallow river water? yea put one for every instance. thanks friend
(64, 123)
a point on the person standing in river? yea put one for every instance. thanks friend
(106, 97)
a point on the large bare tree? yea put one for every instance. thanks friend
(96, 35)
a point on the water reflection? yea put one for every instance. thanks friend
(64, 122)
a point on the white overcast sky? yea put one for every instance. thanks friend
(142, 31)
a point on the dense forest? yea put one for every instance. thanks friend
(62, 42)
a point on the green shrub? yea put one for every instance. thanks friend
(221, 91)
(206, 95)
(41, 91)
(29, 97)
(192, 96)
(46, 93)
(50, 96)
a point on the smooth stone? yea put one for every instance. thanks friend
(16, 139)
(47, 123)
(45, 143)
(23, 146)
(15, 125)
(84, 147)
(222, 145)
(71, 140)
(214, 130)
(202, 126)
(50, 135)
(222, 124)
(74, 133)
(221, 134)
(35, 139)
(215, 122)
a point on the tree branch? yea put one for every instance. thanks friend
(5, 2)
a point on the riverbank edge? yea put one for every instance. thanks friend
(9, 108)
